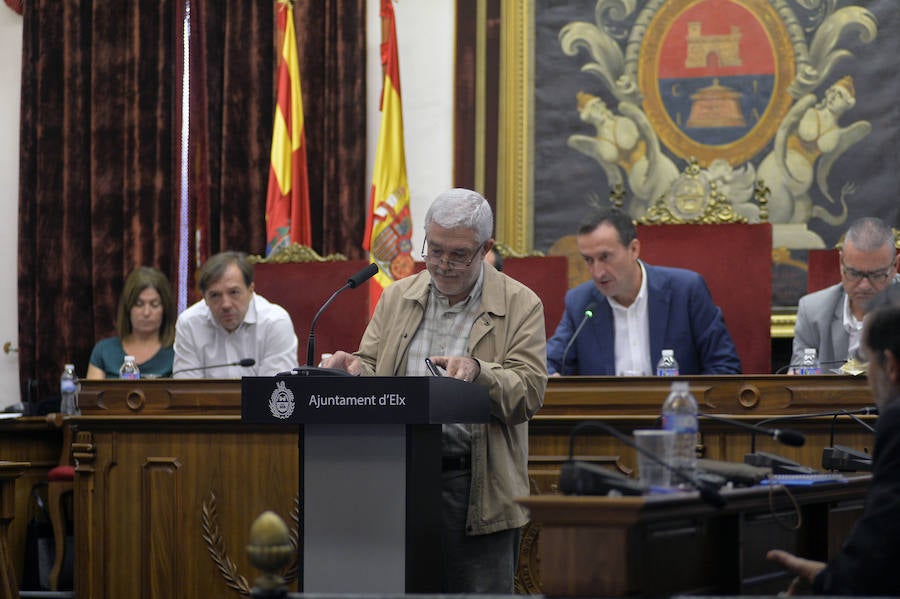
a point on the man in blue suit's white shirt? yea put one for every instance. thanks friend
(637, 310)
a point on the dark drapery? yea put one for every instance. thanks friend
(101, 144)
(95, 171)
(331, 37)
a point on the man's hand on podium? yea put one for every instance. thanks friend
(341, 360)
(464, 368)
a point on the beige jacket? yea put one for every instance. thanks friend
(509, 341)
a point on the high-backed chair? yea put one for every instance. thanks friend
(736, 261)
(823, 269)
(61, 486)
(302, 288)
(545, 275)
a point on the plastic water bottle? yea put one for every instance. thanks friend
(680, 415)
(129, 369)
(810, 363)
(68, 391)
(667, 365)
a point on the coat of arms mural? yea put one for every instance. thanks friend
(792, 93)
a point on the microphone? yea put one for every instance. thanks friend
(575, 475)
(864, 411)
(352, 283)
(787, 367)
(243, 363)
(785, 436)
(588, 314)
(847, 459)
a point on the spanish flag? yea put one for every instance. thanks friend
(388, 236)
(287, 201)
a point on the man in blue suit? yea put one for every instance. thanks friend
(631, 311)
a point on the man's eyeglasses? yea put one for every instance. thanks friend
(875, 277)
(456, 259)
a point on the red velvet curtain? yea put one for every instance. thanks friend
(101, 143)
(95, 170)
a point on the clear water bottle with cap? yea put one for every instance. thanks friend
(68, 391)
(667, 365)
(129, 369)
(680, 415)
(810, 363)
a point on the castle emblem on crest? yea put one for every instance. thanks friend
(281, 402)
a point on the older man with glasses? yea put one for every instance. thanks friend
(480, 326)
(830, 320)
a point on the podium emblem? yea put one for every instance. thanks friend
(281, 402)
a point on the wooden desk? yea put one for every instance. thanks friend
(630, 403)
(9, 472)
(168, 480)
(666, 544)
(36, 442)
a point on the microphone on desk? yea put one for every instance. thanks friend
(841, 457)
(352, 283)
(784, 436)
(866, 410)
(578, 477)
(588, 314)
(243, 362)
(781, 465)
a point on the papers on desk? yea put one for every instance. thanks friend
(10, 415)
(803, 480)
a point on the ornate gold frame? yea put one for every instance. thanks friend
(515, 156)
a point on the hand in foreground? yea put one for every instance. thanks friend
(459, 367)
(341, 360)
(805, 569)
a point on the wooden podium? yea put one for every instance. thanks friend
(370, 473)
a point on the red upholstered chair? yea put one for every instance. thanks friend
(61, 485)
(823, 269)
(736, 261)
(546, 276)
(302, 288)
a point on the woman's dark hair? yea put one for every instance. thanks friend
(141, 278)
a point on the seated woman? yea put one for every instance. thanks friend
(145, 321)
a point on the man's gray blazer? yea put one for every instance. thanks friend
(820, 324)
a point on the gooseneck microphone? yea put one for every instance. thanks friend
(841, 457)
(352, 283)
(784, 436)
(588, 314)
(864, 411)
(243, 362)
(572, 469)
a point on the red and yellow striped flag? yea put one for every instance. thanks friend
(287, 201)
(389, 224)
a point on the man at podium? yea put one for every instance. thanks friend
(476, 324)
(865, 564)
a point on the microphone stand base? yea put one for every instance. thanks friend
(314, 371)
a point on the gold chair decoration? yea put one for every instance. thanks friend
(295, 253)
(696, 197)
